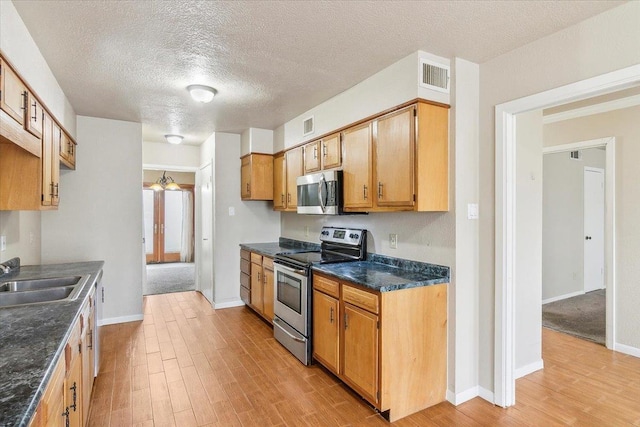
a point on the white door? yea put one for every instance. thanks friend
(205, 223)
(593, 229)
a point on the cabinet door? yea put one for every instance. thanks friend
(268, 292)
(356, 166)
(34, 119)
(326, 332)
(48, 190)
(245, 178)
(360, 350)
(73, 392)
(55, 164)
(279, 189)
(395, 149)
(256, 287)
(13, 93)
(311, 157)
(294, 170)
(331, 151)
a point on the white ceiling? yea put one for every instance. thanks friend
(269, 60)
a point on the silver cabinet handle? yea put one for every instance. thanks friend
(331, 315)
(315, 152)
(364, 192)
(379, 190)
(346, 321)
(324, 150)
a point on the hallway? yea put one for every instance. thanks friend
(188, 365)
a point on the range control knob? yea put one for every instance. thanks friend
(353, 236)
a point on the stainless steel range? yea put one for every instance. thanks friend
(293, 290)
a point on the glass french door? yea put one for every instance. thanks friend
(163, 225)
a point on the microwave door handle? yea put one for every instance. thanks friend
(321, 184)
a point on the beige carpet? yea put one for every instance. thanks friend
(171, 277)
(582, 316)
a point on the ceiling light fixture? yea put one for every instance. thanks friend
(174, 139)
(201, 93)
(164, 183)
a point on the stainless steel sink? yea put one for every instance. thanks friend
(29, 285)
(57, 289)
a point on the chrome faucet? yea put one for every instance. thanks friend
(5, 269)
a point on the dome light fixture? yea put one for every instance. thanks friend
(202, 93)
(174, 139)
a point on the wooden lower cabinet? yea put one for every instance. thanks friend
(389, 347)
(66, 400)
(257, 283)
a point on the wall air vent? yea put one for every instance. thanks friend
(576, 155)
(307, 126)
(434, 76)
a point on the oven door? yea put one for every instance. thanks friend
(291, 297)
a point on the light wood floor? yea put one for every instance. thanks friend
(188, 365)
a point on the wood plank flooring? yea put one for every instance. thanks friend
(188, 365)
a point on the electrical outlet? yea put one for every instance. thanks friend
(306, 231)
(393, 241)
(3, 243)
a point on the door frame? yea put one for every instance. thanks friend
(604, 227)
(505, 212)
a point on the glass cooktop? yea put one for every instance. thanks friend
(315, 257)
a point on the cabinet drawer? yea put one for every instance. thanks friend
(256, 258)
(363, 299)
(267, 263)
(325, 285)
(245, 266)
(245, 295)
(245, 255)
(245, 280)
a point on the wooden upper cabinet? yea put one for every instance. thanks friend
(35, 117)
(331, 147)
(256, 177)
(294, 168)
(432, 158)
(67, 151)
(312, 155)
(279, 183)
(357, 165)
(394, 139)
(14, 93)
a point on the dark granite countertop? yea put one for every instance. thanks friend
(32, 340)
(384, 274)
(283, 246)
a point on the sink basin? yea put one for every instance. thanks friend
(29, 285)
(57, 289)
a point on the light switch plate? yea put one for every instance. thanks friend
(472, 211)
(232, 211)
(3, 243)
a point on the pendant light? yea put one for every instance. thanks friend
(164, 183)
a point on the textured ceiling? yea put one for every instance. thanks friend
(269, 60)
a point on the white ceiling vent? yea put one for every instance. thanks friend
(434, 76)
(307, 126)
(576, 155)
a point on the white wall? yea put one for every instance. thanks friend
(22, 228)
(255, 140)
(387, 88)
(100, 213)
(563, 221)
(601, 44)
(253, 221)
(623, 124)
(177, 157)
(463, 291)
(528, 277)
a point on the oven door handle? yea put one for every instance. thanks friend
(284, 267)
(293, 337)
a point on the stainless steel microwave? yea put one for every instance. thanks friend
(320, 193)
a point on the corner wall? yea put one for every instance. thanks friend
(100, 213)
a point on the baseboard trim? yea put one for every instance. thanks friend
(123, 319)
(528, 369)
(627, 349)
(464, 396)
(561, 297)
(228, 304)
(486, 395)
